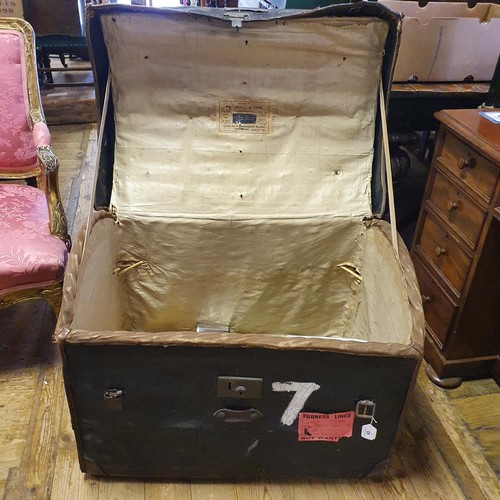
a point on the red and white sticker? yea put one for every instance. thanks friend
(325, 426)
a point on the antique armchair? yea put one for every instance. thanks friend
(34, 240)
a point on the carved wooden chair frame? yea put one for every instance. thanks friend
(45, 172)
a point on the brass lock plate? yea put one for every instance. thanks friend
(239, 387)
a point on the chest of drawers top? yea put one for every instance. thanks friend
(456, 248)
(471, 134)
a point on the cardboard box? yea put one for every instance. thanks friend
(447, 42)
(11, 8)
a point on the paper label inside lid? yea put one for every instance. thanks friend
(245, 117)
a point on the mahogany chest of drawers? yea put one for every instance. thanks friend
(456, 250)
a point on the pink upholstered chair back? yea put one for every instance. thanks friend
(17, 150)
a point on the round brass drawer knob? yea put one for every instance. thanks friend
(451, 205)
(466, 163)
(439, 251)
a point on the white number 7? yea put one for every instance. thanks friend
(302, 392)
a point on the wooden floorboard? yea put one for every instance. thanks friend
(479, 412)
(448, 447)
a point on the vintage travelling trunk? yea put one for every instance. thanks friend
(236, 308)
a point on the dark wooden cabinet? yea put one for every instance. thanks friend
(456, 250)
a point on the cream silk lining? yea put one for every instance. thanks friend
(242, 223)
(377, 310)
(310, 83)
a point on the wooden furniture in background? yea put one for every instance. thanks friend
(61, 45)
(56, 17)
(412, 104)
(456, 249)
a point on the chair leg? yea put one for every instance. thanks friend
(54, 299)
(46, 64)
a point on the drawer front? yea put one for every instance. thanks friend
(440, 247)
(457, 208)
(470, 166)
(438, 308)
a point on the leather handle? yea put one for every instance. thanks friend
(238, 416)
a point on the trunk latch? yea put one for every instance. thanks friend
(113, 399)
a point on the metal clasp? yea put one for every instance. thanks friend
(365, 409)
(236, 18)
(211, 328)
(113, 399)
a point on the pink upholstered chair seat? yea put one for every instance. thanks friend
(29, 254)
(17, 149)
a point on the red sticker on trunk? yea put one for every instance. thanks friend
(325, 426)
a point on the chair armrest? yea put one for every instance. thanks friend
(41, 135)
(42, 140)
(47, 158)
(49, 164)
